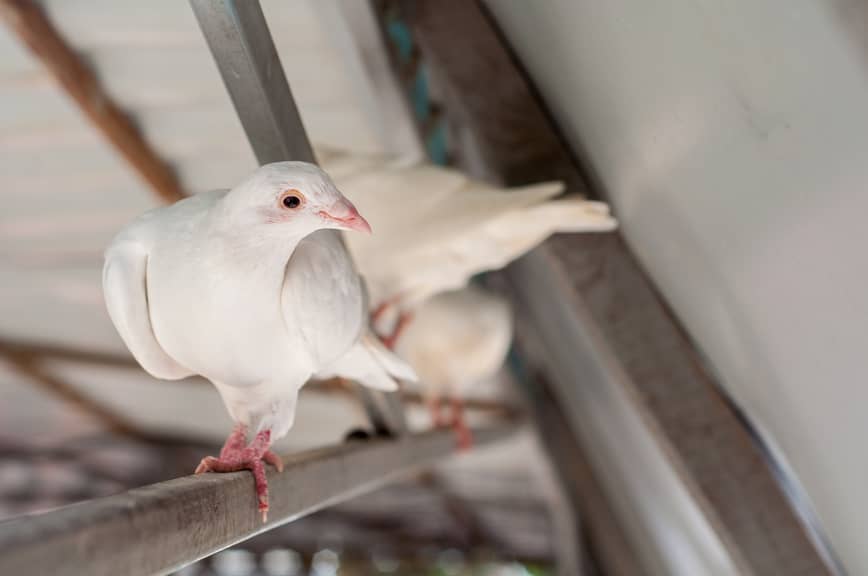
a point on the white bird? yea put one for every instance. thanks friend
(436, 228)
(249, 288)
(456, 339)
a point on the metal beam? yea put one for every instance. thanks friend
(159, 528)
(241, 44)
(634, 390)
(603, 325)
(27, 20)
(581, 487)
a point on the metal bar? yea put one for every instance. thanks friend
(159, 528)
(33, 28)
(241, 44)
(581, 488)
(632, 385)
(656, 407)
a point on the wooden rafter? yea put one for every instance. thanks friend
(36, 353)
(28, 21)
(62, 389)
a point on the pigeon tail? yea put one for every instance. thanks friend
(574, 214)
(371, 364)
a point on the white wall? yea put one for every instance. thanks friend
(732, 138)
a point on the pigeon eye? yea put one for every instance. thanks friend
(292, 200)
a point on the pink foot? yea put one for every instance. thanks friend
(435, 407)
(235, 456)
(403, 319)
(378, 312)
(456, 421)
(464, 437)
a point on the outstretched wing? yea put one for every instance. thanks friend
(124, 281)
(434, 228)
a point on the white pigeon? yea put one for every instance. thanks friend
(436, 228)
(456, 339)
(248, 288)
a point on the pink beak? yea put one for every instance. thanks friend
(345, 216)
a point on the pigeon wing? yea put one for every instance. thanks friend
(435, 229)
(322, 298)
(370, 363)
(124, 280)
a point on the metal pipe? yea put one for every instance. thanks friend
(161, 527)
(241, 44)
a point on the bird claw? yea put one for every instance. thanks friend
(464, 436)
(205, 465)
(253, 457)
(263, 502)
(391, 340)
(273, 459)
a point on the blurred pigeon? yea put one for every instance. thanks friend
(436, 228)
(456, 339)
(248, 288)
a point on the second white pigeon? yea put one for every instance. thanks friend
(437, 228)
(457, 339)
(249, 288)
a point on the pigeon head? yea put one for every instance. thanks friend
(296, 194)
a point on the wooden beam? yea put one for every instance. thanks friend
(28, 21)
(33, 354)
(159, 528)
(63, 353)
(60, 388)
(607, 339)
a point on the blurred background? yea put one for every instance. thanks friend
(79, 419)
(729, 139)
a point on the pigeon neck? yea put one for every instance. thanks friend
(253, 242)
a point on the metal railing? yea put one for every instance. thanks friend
(158, 528)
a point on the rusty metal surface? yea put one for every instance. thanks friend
(160, 527)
